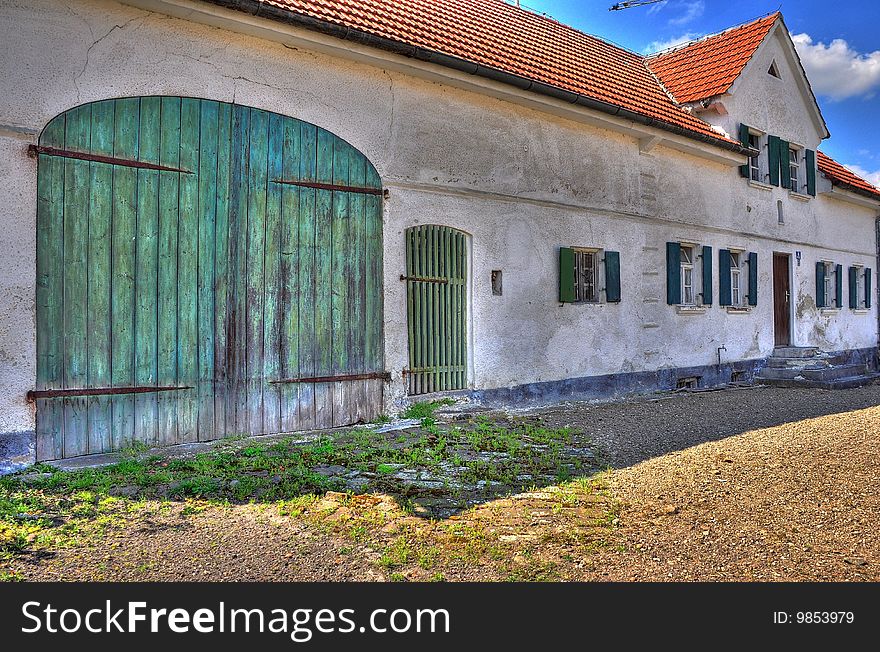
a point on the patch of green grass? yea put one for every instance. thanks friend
(425, 409)
(397, 554)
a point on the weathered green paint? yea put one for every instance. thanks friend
(725, 293)
(706, 266)
(753, 278)
(217, 279)
(853, 287)
(436, 311)
(673, 273)
(612, 276)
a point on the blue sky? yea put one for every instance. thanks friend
(839, 44)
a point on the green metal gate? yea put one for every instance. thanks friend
(203, 270)
(436, 279)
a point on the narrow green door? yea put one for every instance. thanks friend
(203, 270)
(436, 292)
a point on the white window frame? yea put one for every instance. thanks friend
(580, 255)
(797, 170)
(737, 296)
(861, 290)
(831, 285)
(756, 167)
(689, 270)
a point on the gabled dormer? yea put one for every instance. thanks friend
(748, 83)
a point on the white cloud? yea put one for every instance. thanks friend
(836, 70)
(871, 177)
(658, 46)
(686, 10)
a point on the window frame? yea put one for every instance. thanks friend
(737, 296)
(861, 289)
(688, 266)
(579, 254)
(830, 288)
(755, 167)
(794, 168)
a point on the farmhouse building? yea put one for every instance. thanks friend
(226, 217)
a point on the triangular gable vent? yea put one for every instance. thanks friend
(774, 70)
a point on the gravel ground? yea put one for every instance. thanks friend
(750, 484)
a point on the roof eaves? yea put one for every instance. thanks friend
(260, 9)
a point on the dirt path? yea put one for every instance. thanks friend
(776, 492)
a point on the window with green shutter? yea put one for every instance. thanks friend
(745, 138)
(773, 156)
(854, 273)
(724, 278)
(820, 284)
(588, 275)
(838, 286)
(673, 273)
(706, 264)
(810, 162)
(753, 279)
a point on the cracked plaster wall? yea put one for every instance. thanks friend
(522, 183)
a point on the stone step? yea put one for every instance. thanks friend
(795, 352)
(833, 373)
(786, 373)
(799, 362)
(847, 382)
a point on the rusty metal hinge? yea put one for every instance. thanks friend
(34, 150)
(378, 375)
(34, 394)
(424, 279)
(363, 190)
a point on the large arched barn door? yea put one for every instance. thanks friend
(204, 270)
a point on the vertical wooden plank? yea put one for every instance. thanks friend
(209, 123)
(357, 288)
(324, 282)
(123, 252)
(373, 287)
(462, 313)
(444, 307)
(187, 272)
(169, 200)
(76, 230)
(221, 268)
(290, 283)
(236, 341)
(272, 304)
(410, 308)
(146, 265)
(50, 293)
(418, 313)
(100, 211)
(339, 309)
(307, 275)
(256, 242)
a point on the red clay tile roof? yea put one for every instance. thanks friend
(708, 67)
(841, 176)
(503, 37)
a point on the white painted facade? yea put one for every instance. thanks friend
(522, 174)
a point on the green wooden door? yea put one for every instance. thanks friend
(436, 279)
(203, 270)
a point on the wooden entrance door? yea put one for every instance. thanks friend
(204, 270)
(781, 299)
(436, 279)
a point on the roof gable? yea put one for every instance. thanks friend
(709, 67)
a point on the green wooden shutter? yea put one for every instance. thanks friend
(707, 276)
(744, 139)
(784, 169)
(724, 293)
(773, 159)
(868, 288)
(838, 286)
(811, 172)
(673, 273)
(753, 279)
(612, 276)
(566, 275)
(820, 284)
(853, 288)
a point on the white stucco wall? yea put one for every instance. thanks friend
(520, 181)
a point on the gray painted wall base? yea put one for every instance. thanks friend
(17, 449)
